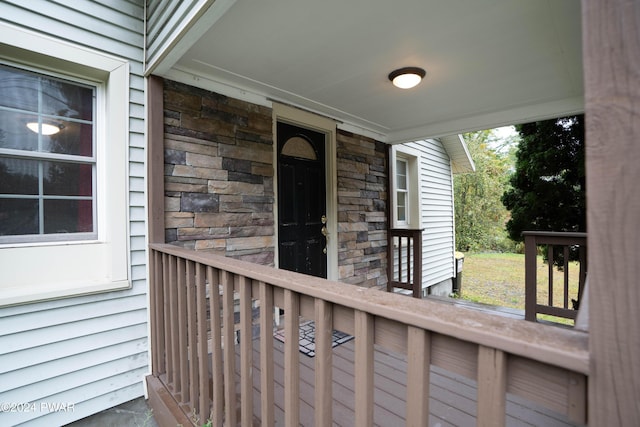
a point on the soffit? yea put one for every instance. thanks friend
(488, 62)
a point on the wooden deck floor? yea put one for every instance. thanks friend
(452, 403)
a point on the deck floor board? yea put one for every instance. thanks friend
(452, 400)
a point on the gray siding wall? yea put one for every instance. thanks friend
(89, 351)
(436, 210)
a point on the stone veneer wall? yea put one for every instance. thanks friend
(362, 205)
(219, 193)
(218, 174)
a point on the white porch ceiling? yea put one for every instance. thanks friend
(488, 62)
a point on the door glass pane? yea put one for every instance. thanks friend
(300, 148)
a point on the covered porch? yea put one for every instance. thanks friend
(194, 353)
(411, 361)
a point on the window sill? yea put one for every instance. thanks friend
(33, 294)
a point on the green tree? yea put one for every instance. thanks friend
(479, 214)
(548, 187)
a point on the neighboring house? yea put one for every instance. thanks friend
(422, 179)
(141, 130)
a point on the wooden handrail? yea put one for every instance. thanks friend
(565, 240)
(404, 266)
(194, 336)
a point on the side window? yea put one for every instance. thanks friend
(405, 163)
(47, 158)
(402, 192)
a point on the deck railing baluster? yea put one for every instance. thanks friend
(364, 369)
(203, 410)
(565, 255)
(323, 364)
(266, 354)
(189, 286)
(246, 352)
(533, 239)
(404, 269)
(292, 358)
(228, 337)
(174, 373)
(418, 376)
(183, 367)
(492, 387)
(192, 355)
(550, 263)
(217, 373)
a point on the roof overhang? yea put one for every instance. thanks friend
(489, 63)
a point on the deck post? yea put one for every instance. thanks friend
(530, 280)
(611, 52)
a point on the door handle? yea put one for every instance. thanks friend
(324, 232)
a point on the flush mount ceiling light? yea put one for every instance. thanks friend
(407, 77)
(43, 128)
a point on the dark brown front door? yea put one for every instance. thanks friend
(301, 200)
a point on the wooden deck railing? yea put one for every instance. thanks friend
(404, 269)
(567, 242)
(194, 377)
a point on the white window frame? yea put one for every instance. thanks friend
(98, 90)
(406, 191)
(412, 159)
(38, 271)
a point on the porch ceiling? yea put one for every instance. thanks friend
(488, 62)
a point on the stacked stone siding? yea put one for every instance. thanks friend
(362, 205)
(218, 174)
(219, 194)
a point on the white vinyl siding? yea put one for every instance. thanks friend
(91, 350)
(436, 211)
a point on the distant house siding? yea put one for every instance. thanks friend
(436, 210)
(89, 351)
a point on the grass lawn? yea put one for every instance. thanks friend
(498, 279)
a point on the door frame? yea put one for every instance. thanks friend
(326, 126)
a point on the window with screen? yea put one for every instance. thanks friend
(402, 191)
(47, 157)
